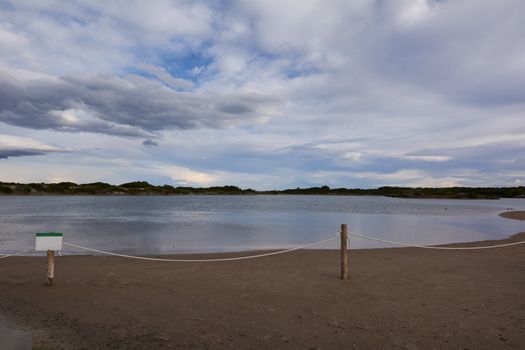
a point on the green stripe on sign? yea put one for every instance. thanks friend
(49, 234)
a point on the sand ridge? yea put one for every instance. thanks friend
(515, 214)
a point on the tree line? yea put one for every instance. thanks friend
(145, 188)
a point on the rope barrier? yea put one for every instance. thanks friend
(434, 247)
(273, 253)
(18, 253)
(200, 260)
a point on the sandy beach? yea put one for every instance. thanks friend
(400, 298)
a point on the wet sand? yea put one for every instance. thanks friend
(12, 338)
(396, 298)
(516, 215)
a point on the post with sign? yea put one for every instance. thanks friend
(50, 267)
(49, 241)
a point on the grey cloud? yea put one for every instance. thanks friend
(149, 143)
(132, 106)
(235, 108)
(7, 153)
(474, 61)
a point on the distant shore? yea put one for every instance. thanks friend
(396, 298)
(144, 188)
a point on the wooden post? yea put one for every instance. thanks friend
(50, 267)
(344, 252)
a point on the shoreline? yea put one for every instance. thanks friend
(395, 298)
(515, 237)
(262, 193)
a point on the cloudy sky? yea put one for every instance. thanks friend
(263, 94)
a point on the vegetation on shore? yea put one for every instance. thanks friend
(144, 188)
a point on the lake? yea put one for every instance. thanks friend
(188, 224)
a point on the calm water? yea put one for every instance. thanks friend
(157, 224)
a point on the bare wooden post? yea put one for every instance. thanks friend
(344, 252)
(50, 267)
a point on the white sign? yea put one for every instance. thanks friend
(48, 241)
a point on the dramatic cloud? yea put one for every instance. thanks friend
(134, 106)
(266, 94)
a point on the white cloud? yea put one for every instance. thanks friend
(18, 171)
(184, 176)
(11, 43)
(371, 92)
(428, 158)
(24, 142)
(415, 11)
(353, 156)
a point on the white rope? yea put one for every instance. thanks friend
(200, 260)
(18, 253)
(434, 247)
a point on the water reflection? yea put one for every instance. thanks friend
(152, 225)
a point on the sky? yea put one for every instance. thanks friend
(264, 94)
